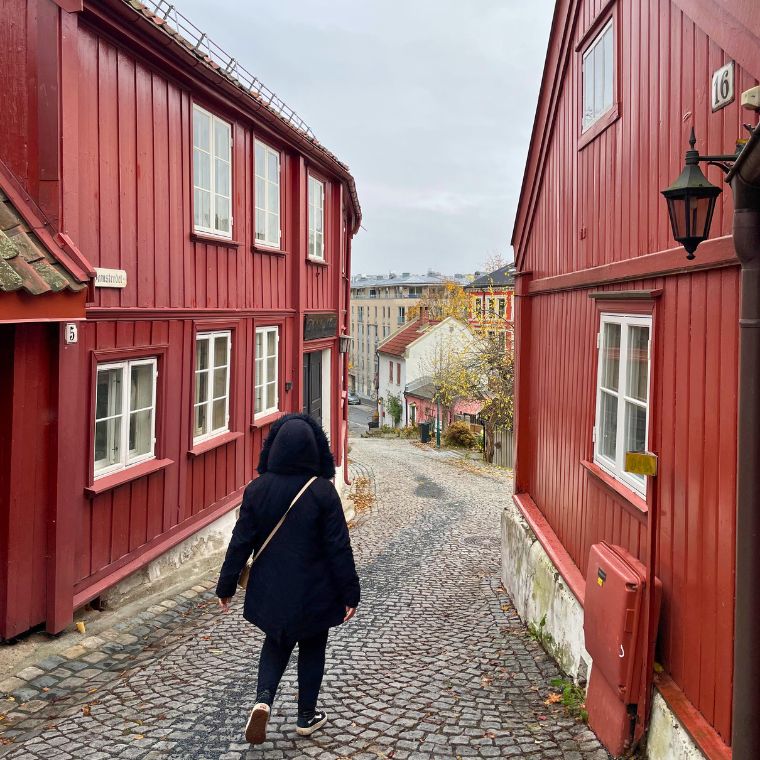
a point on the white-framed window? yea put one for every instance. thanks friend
(211, 404)
(267, 359)
(598, 76)
(316, 219)
(267, 170)
(401, 314)
(125, 414)
(622, 397)
(212, 173)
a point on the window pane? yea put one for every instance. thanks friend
(201, 387)
(200, 420)
(220, 350)
(202, 208)
(259, 159)
(141, 386)
(271, 395)
(638, 362)
(259, 399)
(635, 427)
(220, 382)
(108, 394)
(273, 228)
(260, 224)
(201, 169)
(311, 242)
(311, 190)
(222, 215)
(271, 343)
(140, 433)
(271, 367)
(608, 68)
(219, 414)
(201, 353)
(598, 79)
(608, 425)
(611, 356)
(259, 343)
(588, 88)
(107, 443)
(221, 140)
(222, 177)
(319, 245)
(273, 167)
(274, 199)
(201, 130)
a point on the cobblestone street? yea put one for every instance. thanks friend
(436, 663)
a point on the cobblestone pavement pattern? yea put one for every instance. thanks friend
(436, 663)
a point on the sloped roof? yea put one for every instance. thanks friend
(423, 387)
(734, 26)
(165, 18)
(501, 278)
(397, 343)
(26, 262)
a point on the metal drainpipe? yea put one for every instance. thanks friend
(745, 184)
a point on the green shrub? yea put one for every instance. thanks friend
(459, 434)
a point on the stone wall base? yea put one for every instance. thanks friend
(546, 604)
(196, 557)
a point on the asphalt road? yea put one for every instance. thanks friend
(358, 417)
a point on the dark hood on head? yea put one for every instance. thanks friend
(297, 444)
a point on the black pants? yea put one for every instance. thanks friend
(311, 667)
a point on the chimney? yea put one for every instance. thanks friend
(424, 314)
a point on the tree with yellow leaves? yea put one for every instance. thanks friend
(447, 300)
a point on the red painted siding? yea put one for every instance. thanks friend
(123, 193)
(599, 205)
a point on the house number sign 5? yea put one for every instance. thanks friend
(723, 86)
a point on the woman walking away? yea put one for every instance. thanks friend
(303, 579)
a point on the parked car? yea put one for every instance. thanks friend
(353, 398)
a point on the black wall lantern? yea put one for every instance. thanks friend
(691, 198)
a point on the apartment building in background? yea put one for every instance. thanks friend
(379, 307)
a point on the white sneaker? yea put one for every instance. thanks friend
(306, 727)
(256, 728)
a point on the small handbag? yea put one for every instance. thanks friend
(246, 572)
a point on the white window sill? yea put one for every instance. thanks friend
(316, 260)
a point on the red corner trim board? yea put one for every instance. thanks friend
(703, 734)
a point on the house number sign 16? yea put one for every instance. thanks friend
(723, 86)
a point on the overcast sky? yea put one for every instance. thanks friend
(430, 103)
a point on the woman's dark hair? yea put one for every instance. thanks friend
(326, 461)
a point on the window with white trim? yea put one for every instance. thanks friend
(622, 399)
(125, 414)
(267, 169)
(211, 404)
(267, 359)
(212, 173)
(598, 76)
(316, 218)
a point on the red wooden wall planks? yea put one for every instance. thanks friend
(597, 204)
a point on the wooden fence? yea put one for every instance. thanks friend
(504, 449)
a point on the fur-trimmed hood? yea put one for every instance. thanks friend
(297, 444)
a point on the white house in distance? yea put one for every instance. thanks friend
(408, 355)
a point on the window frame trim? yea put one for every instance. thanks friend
(279, 245)
(626, 318)
(208, 334)
(198, 228)
(311, 174)
(117, 356)
(268, 411)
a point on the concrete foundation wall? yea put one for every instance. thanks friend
(540, 594)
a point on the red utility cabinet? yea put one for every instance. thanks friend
(614, 627)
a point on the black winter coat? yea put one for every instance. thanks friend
(306, 576)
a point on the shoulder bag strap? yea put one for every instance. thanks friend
(282, 519)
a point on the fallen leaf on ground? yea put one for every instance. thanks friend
(86, 711)
(552, 699)
(486, 680)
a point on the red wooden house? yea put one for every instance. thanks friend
(624, 344)
(156, 196)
